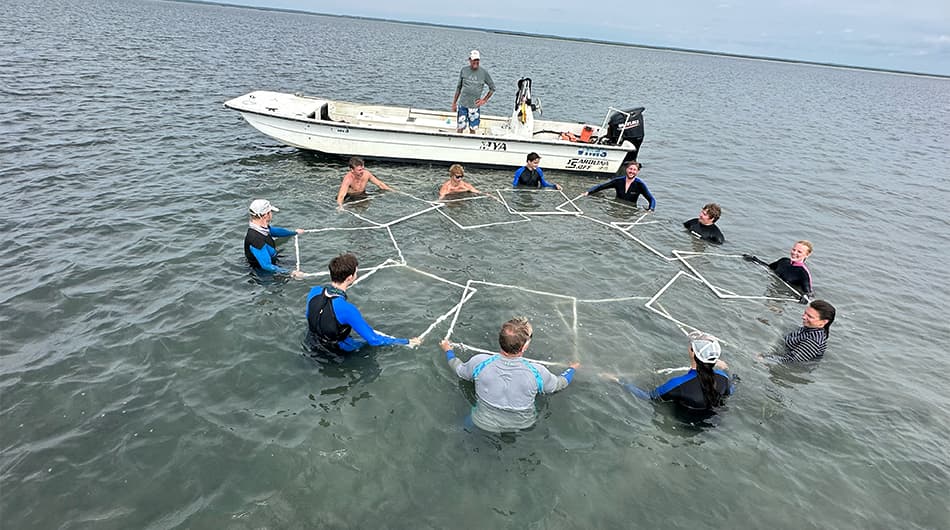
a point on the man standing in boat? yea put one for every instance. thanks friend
(355, 180)
(468, 93)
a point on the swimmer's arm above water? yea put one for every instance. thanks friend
(347, 313)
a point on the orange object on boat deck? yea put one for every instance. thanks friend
(586, 133)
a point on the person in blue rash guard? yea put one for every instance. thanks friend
(331, 317)
(259, 246)
(703, 387)
(628, 188)
(506, 383)
(531, 176)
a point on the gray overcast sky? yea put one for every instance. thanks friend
(911, 35)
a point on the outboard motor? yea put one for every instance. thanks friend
(625, 125)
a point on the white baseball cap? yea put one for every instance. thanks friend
(260, 207)
(705, 347)
(474, 55)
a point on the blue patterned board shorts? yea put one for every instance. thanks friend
(470, 117)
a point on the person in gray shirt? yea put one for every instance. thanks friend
(506, 383)
(468, 93)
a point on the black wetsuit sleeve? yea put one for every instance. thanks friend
(601, 187)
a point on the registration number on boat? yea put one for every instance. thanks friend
(488, 145)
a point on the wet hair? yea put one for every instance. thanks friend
(356, 162)
(807, 244)
(707, 381)
(826, 311)
(532, 156)
(342, 266)
(634, 163)
(514, 335)
(713, 211)
(456, 168)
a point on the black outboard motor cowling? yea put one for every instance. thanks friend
(627, 126)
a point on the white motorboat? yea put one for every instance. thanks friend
(376, 131)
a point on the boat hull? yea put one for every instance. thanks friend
(412, 134)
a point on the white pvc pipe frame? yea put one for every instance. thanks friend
(468, 291)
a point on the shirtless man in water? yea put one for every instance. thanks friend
(354, 182)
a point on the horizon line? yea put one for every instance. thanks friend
(578, 39)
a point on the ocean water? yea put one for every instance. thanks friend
(148, 380)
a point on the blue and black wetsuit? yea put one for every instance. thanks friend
(530, 178)
(323, 328)
(619, 185)
(321, 331)
(709, 233)
(260, 249)
(685, 390)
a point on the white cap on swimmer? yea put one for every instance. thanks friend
(260, 207)
(705, 347)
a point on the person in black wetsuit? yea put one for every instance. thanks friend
(628, 188)
(259, 246)
(703, 387)
(704, 227)
(531, 176)
(792, 270)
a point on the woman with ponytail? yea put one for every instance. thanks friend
(807, 343)
(703, 387)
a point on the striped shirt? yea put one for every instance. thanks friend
(804, 344)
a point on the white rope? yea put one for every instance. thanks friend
(392, 238)
(574, 214)
(410, 216)
(297, 250)
(366, 273)
(318, 230)
(719, 292)
(612, 300)
(461, 199)
(466, 295)
(468, 290)
(628, 234)
(434, 277)
(364, 219)
(558, 210)
(437, 321)
(350, 203)
(524, 289)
